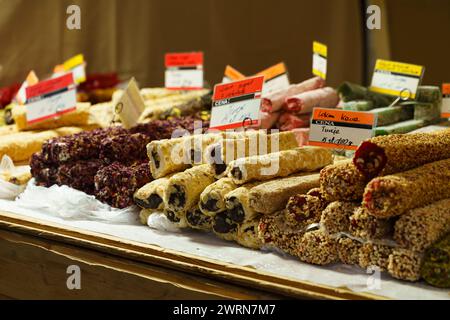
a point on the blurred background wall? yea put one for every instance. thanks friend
(131, 37)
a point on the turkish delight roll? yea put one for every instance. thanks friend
(348, 250)
(196, 219)
(184, 188)
(178, 218)
(336, 217)
(365, 226)
(399, 127)
(124, 148)
(238, 204)
(396, 153)
(224, 227)
(316, 247)
(151, 195)
(358, 105)
(44, 173)
(305, 102)
(405, 264)
(302, 207)
(374, 255)
(420, 228)
(395, 194)
(144, 214)
(247, 234)
(272, 196)
(436, 265)
(390, 115)
(212, 199)
(116, 183)
(342, 182)
(279, 164)
(79, 175)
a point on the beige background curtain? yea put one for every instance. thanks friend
(131, 37)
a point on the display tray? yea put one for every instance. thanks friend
(204, 255)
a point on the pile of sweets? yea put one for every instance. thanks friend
(109, 163)
(228, 180)
(388, 207)
(404, 117)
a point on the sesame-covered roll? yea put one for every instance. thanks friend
(212, 199)
(374, 255)
(247, 234)
(272, 196)
(420, 228)
(238, 204)
(436, 265)
(405, 264)
(336, 217)
(196, 219)
(303, 207)
(184, 188)
(395, 194)
(348, 250)
(279, 164)
(365, 226)
(316, 247)
(396, 153)
(259, 143)
(223, 227)
(151, 195)
(342, 182)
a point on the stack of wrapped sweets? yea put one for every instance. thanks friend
(390, 204)
(196, 184)
(109, 163)
(291, 108)
(404, 117)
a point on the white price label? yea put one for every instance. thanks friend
(320, 54)
(184, 71)
(446, 100)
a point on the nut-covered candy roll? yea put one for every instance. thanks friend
(371, 255)
(436, 265)
(420, 228)
(224, 227)
(348, 250)
(272, 196)
(79, 174)
(302, 207)
(151, 196)
(336, 217)
(365, 226)
(396, 153)
(342, 182)
(258, 143)
(196, 219)
(184, 188)
(395, 194)
(212, 198)
(144, 214)
(405, 264)
(247, 234)
(316, 247)
(279, 164)
(238, 204)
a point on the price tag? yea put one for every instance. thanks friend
(231, 74)
(237, 104)
(184, 71)
(31, 80)
(396, 78)
(51, 98)
(320, 53)
(446, 100)
(276, 78)
(130, 105)
(77, 66)
(339, 129)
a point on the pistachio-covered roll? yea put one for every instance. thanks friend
(224, 227)
(196, 219)
(258, 143)
(395, 194)
(184, 188)
(247, 234)
(272, 196)
(151, 196)
(279, 164)
(238, 204)
(436, 265)
(212, 199)
(144, 214)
